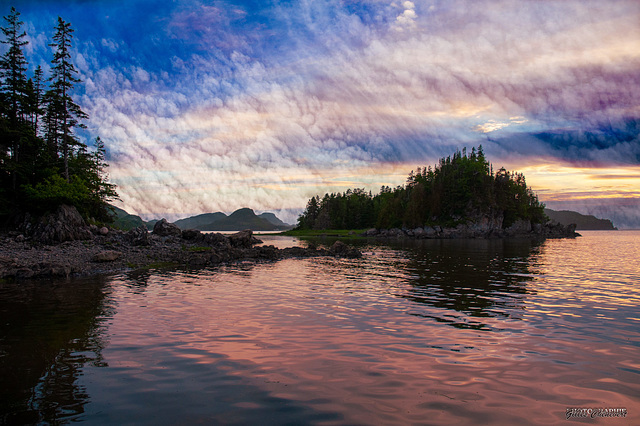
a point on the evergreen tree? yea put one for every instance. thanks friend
(32, 177)
(63, 112)
(35, 98)
(461, 188)
(13, 67)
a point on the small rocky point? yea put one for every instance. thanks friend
(61, 244)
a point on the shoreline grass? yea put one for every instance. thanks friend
(342, 233)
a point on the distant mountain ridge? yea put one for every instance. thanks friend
(126, 221)
(583, 222)
(195, 222)
(241, 219)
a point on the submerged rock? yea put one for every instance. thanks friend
(342, 250)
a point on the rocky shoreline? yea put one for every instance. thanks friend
(484, 228)
(62, 245)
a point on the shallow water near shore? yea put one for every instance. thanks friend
(416, 332)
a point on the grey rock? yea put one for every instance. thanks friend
(340, 249)
(244, 239)
(215, 240)
(191, 234)
(139, 236)
(371, 232)
(429, 232)
(65, 224)
(107, 256)
(163, 228)
(103, 231)
(519, 227)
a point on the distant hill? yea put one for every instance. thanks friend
(236, 221)
(126, 221)
(583, 222)
(274, 219)
(195, 222)
(244, 219)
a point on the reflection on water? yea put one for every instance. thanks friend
(433, 332)
(467, 279)
(49, 332)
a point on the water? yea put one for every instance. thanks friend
(432, 332)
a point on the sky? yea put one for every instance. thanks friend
(209, 106)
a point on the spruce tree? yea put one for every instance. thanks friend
(13, 68)
(62, 110)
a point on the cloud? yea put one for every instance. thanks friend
(226, 107)
(407, 19)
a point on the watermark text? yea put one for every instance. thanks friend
(592, 413)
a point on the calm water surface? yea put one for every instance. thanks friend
(433, 332)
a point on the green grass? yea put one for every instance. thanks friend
(342, 233)
(198, 249)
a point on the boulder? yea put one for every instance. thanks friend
(139, 236)
(371, 232)
(65, 224)
(244, 239)
(103, 231)
(215, 240)
(191, 234)
(429, 232)
(163, 228)
(340, 249)
(107, 256)
(519, 227)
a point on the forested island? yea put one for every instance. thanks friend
(461, 196)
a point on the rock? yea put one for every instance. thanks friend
(191, 234)
(519, 227)
(198, 260)
(65, 224)
(268, 252)
(19, 239)
(103, 231)
(429, 232)
(215, 240)
(107, 256)
(371, 232)
(537, 228)
(163, 228)
(244, 239)
(340, 249)
(139, 236)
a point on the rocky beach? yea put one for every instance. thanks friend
(62, 245)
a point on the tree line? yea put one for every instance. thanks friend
(459, 189)
(43, 161)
